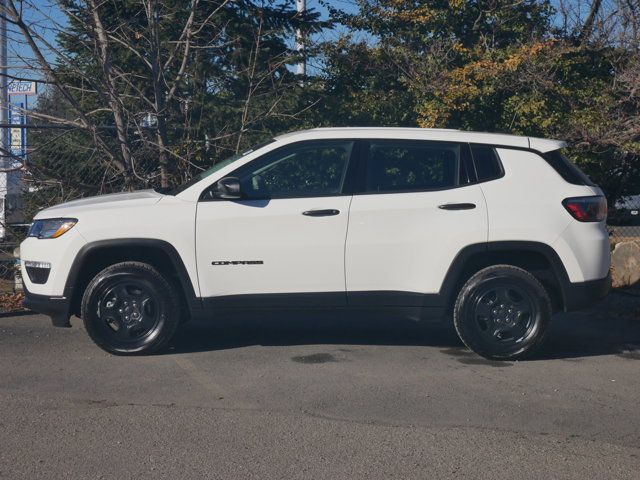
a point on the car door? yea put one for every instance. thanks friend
(415, 210)
(282, 244)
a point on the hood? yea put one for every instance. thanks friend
(119, 200)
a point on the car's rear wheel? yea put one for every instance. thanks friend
(502, 312)
(130, 308)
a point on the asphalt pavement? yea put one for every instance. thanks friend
(329, 399)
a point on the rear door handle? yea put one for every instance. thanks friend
(457, 206)
(321, 213)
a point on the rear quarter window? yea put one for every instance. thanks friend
(567, 169)
(487, 162)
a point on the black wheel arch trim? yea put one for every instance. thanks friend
(448, 291)
(193, 301)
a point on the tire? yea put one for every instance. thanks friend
(502, 313)
(130, 308)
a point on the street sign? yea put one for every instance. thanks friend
(17, 133)
(22, 88)
(16, 141)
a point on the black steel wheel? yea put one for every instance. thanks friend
(502, 312)
(130, 308)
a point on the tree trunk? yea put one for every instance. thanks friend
(112, 91)
(158, 92)
(587, 28)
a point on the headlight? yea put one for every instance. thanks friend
(51, 227)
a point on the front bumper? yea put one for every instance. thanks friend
(59, 253)
(583, 294)
(55, 307)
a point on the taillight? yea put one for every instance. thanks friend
(587, 209)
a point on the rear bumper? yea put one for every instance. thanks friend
(583, 294)
(55, 307)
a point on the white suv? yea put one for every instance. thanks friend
(494, 231)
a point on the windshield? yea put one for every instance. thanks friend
(217, 166)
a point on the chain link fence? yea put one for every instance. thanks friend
(61, 164)
(624, 219)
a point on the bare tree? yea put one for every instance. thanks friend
(587, 28)
(129, 109)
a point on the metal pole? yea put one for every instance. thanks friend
(4, 94)
(302, 66)
(4, 111)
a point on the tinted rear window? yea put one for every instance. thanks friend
(405, 166)
(566, 169)
(487, 163)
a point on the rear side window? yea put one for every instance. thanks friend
(398, 166)
(487, 163)
(566, 169)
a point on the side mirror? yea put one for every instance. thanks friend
(228, 188)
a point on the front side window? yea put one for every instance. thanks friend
(412, 166)
(304, 170)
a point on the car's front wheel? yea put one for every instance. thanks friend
(502, 312)
(130, 308)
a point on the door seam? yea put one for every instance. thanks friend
(344, 252)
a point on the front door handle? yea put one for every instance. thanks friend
(457, 206)
(321, 213)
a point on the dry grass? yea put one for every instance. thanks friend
(11, 302)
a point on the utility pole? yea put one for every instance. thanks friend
(4, 80)
(4, 114)
(302, 65)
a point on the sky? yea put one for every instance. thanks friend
(47, 8)
(46, 16)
